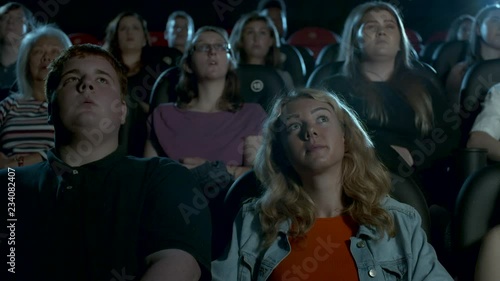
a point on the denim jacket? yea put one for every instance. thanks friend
(407, 256)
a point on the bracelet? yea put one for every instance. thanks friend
(20, 161)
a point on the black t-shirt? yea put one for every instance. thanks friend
(101, 220)
(399, 128)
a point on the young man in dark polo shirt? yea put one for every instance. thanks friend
(91, 213)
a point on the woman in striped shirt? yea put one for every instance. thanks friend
(25, 134)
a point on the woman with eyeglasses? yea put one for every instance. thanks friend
(210, 129)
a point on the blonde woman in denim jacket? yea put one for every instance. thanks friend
(325, 213)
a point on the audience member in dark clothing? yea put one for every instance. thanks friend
(127, 38)
(276, 10)
(256, 41)
(179, 30)
(460, 28)
(403, 110)
(91, 213)
(484, 44)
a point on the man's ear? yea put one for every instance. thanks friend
(123, 113)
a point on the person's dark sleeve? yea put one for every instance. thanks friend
(176, 214)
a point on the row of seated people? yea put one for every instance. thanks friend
(26, 135)
(215, 44)
(126, 39)
(459, 30)
(325, 190)
(251, 23)
(450, 59)
(473, 82)
(138, 127)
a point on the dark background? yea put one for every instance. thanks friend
(92, 16)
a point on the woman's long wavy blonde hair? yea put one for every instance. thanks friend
(365, 181)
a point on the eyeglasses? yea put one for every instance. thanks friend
(205, 48)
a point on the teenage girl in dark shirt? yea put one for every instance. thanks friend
(404, 111)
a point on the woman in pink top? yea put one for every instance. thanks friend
(209, 128)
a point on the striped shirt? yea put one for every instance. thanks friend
(24, 126)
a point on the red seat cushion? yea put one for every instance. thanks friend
(314, 38)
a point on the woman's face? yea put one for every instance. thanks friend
(313, 138)
(210, 58)
(131, 34)
(490, 29)
(379, 36)
(256, 39)
(13, 25)
(43, 52)
(463, 32)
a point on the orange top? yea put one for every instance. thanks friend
(323, 254)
